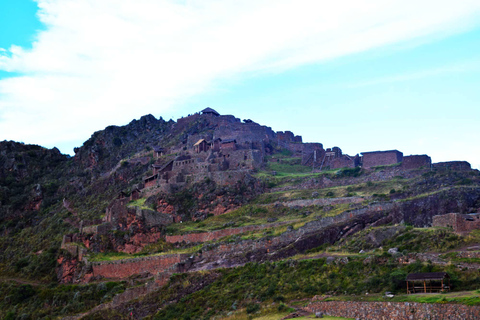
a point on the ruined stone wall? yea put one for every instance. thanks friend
(285, 138)
(295, 148)
(308, 153)
(464, 225)
(125, 268)
(394, 310)
(458, 222)
(228, 146)
(152, 218)
(416, 161)
(381, 158)
(243, 159)
(98, 229)
(182, 123)
(452, 165)
(448, 220)
(244, 132)
(116, 210)
(220, 177)
(342, 162)
(150, 183)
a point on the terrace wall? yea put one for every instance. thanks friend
(125, 268)
(217, 234)
(394, 310)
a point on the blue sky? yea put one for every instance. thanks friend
(18, 24)
(363, 76)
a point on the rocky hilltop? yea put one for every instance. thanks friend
(155, 202)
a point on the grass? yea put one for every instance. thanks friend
(453, 257)
(471, 298)
(324, 317)
(137, 203)
(411, 239)
(114, 256)
(257, 215)
(24, 301)
(366, 190)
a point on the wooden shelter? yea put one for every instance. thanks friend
(158, 151)
(428, 282)
(201, 145)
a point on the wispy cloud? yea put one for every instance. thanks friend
(457, 68)
(104, 62)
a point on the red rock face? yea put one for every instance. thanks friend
(163, 206)
(34, 204)
(66, 269)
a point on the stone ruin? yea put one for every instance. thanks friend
(460, 223)
(242, 146)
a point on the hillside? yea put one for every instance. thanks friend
(211, 217)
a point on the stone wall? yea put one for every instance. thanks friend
(152, 218)
(416, 161)
(98, 229)
(117, 210)
(460, 223)
(342, 162)
(452, 165)
(122, 269)
(394, 310)
(381, 158)
(319, 202)
(308, 153)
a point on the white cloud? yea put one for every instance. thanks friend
(106, 62)
(457, 68)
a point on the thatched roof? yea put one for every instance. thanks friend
(210, 110)
(427, 276)
(199, 142)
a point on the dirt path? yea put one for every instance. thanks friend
(22, 281)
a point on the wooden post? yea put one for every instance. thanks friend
(425, 286)
(408, 291)
(442, 286)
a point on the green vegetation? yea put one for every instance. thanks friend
(243, 287)
(257, 215)
(471, 298)
(24, 301)
(146, 252)
(412, 239)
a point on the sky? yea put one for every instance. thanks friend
(360, 75)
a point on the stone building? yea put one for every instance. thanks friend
(416, 162)
(344, 161)
(381, 158)
(201, 146)
(460, 223)
(228, 144)
(159, 151)
(452, 165)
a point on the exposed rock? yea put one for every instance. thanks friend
(393, 251)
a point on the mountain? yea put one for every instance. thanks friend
(213, 216)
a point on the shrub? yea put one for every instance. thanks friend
(253, 307)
